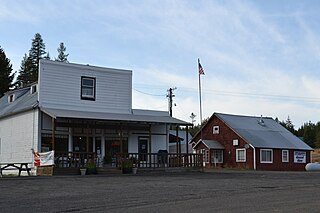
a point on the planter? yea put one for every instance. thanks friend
(134, 170)
(83, 171)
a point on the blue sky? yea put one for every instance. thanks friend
(259, 57)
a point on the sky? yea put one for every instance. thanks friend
(259, 57)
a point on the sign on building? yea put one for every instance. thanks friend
(300, 157)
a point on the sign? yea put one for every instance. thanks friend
(300, 157)
(43, 158)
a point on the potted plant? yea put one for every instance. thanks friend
(126, 166)
(83, 171)
(134, 165)
(91, 167)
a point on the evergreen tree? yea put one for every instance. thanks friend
(29, 67)
(288, 125)
(6, 75)
(61, 53)
(47, 56)
(37, 51)
(26, 72)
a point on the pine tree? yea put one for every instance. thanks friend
(47, 56)
(61, 53)
(6, 75)
(37, 51)
(29, 67)
(26, 72)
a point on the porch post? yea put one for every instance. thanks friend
(70, 140)
(103, 143)
(121, 139)
(87, 137)
(53, 122)
(149, 145)
(187, 140)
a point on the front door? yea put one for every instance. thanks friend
(143, 148)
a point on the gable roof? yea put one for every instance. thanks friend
(24, 101)
(263, 132)
(210, 144)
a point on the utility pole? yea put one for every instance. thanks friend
(170, 96)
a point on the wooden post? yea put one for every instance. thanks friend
(87, 138)
(149, 145)
(187, 146)
(53, 123)
(121, 139)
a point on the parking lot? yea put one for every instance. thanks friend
(214, 191)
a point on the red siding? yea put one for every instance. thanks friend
(227, 135)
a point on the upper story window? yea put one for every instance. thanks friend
(215, 130)
(88, 88)
(11, 98)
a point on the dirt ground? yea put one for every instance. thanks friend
(214, 191)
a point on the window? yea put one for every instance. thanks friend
(266, 156)
(88, 88)
(11, 98)
(215, 130)
(33, 89)
(240, 155)
(217, 156)
(205, 153)
(235, 142)
(285, 156)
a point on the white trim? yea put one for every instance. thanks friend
(254, 157)
(261, 155)
(282, 156)
(245, 157)
(215, 130)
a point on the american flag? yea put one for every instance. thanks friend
(201, 71)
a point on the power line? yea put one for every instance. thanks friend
(149, 93)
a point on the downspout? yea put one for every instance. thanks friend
(254, 157)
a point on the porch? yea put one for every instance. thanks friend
(75, 160)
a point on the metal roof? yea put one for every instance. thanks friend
(263, 132)
(211, 144)
(24, 101)
(135, 116)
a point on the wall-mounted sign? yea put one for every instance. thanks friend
(300, 157)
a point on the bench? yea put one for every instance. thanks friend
(20, 166)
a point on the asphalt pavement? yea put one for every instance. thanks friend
(213, 191)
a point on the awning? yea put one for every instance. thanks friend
(135, 116)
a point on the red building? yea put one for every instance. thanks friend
(246, 142)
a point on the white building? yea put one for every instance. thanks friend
(79, 109)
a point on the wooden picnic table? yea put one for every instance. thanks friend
(20, 166)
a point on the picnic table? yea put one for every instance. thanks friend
(20, 166)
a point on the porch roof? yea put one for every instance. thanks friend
(210, 144)
(135, 116)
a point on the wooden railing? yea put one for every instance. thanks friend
(73, 159)
(164, 160)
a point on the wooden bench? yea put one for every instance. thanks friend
(20, 166)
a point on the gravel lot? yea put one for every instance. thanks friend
(215, 191)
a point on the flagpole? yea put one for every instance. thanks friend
(200, 95)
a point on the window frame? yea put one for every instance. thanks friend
(215, 130)
(214, 152)
(287, 155)
(266, 150)
(237, 155)
(88, 97)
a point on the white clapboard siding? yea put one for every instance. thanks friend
(19, 133)
(60, 87)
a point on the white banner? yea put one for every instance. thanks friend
(46, 158)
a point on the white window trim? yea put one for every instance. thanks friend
(285, 160)
(215, 130)
(245, 155)
(261, 155)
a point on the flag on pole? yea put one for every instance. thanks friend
(201, 71)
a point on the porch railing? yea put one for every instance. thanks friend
(73, 159)
(164, 160)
